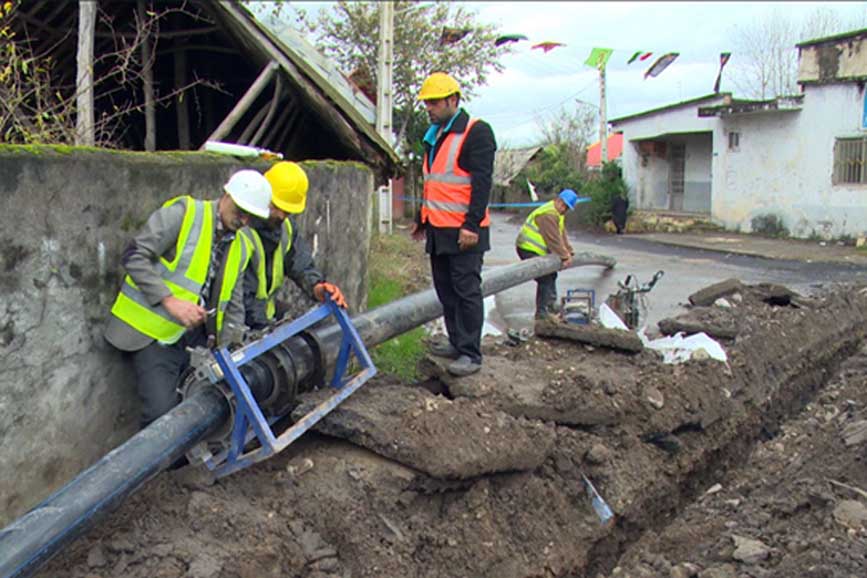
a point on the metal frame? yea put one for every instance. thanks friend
(250, 422)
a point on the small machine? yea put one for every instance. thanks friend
(629, 302)
(578, 306)
(258, 382)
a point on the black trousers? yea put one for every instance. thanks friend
(458, 282)
(546, 287)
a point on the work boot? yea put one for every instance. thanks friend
(463, 365)
(444, 349)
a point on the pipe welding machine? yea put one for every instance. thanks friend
(260, 382)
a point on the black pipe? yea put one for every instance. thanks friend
(34, 538)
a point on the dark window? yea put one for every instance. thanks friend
(850, 155)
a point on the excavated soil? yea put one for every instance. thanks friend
(750, 468)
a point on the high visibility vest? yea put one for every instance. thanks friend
(529, 238)
(447, 187)
(265, 292)
(184, 275)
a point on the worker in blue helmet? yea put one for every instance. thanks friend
(544, 232)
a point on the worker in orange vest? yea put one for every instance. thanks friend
(458, 168)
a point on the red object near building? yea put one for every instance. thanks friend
(615, 149)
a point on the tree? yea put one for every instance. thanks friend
(765, 62)
(565, 136)
(348, 32)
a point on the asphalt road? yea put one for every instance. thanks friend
(686, 270)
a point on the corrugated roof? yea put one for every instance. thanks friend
(509, 162)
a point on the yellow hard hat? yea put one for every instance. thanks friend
(288, 186)
(438, 85)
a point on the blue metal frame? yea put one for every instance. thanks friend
(251, 423)
(580, 294)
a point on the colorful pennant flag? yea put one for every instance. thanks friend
(547, 46)
(661, 64)
(452, 35)
(644, 56)
(598, 57)
(509, 38)
(723, 59)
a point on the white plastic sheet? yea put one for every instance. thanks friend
(677, 348)
(609, 319)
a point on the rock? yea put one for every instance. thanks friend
(592, 335)
(710, 294)
(654, 397)
(96, 557)
(597, 454)
(300, 467)
(722, 302)
(713, 489)
(684, 570)
(855, 433)
(850, 513)
(749, 551)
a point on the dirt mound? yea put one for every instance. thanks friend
(486, 479)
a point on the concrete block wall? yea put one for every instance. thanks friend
(66, 396)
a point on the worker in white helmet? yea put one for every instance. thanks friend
(181, 288)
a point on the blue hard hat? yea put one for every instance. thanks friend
(569, 197)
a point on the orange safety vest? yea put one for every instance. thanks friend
(447, 187)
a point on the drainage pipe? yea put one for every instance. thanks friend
(37, 536)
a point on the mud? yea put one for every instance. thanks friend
(484, 478)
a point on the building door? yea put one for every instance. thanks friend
(676, 170)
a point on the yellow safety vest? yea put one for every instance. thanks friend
(264, 292)
(184, 275)
(530, 239)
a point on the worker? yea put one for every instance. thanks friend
(544, 232)
(181, 286)
(280, 252)
(458, 166)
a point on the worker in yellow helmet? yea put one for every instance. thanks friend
(458, 168)
(280, 252)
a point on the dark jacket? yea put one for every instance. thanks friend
(298, 265)
(477, 158)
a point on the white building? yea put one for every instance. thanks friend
(802, 159)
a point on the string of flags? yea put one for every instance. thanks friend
(598, 58)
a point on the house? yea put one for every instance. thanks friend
(615, 150)
(799, 158)
(508, 164)
(217, 73)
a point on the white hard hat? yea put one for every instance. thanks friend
(251, 191)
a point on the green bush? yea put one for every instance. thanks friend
(602, 191)
(556, 170)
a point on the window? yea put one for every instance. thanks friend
(734, 141)
(850, 156)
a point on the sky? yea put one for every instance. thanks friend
(535, 85)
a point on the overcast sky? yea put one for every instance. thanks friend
(535, 85)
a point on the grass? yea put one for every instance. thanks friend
(396, 268)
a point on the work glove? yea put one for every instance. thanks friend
(333, 290)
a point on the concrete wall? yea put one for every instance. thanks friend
(785, 163)
(648, 180)
(66, 397)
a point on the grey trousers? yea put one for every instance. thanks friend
(546, 287)
(158, 369)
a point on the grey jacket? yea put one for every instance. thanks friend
(158, 238)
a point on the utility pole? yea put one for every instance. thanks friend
(603, 120)
(384, 89)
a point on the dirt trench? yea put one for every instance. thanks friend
(482, 476)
